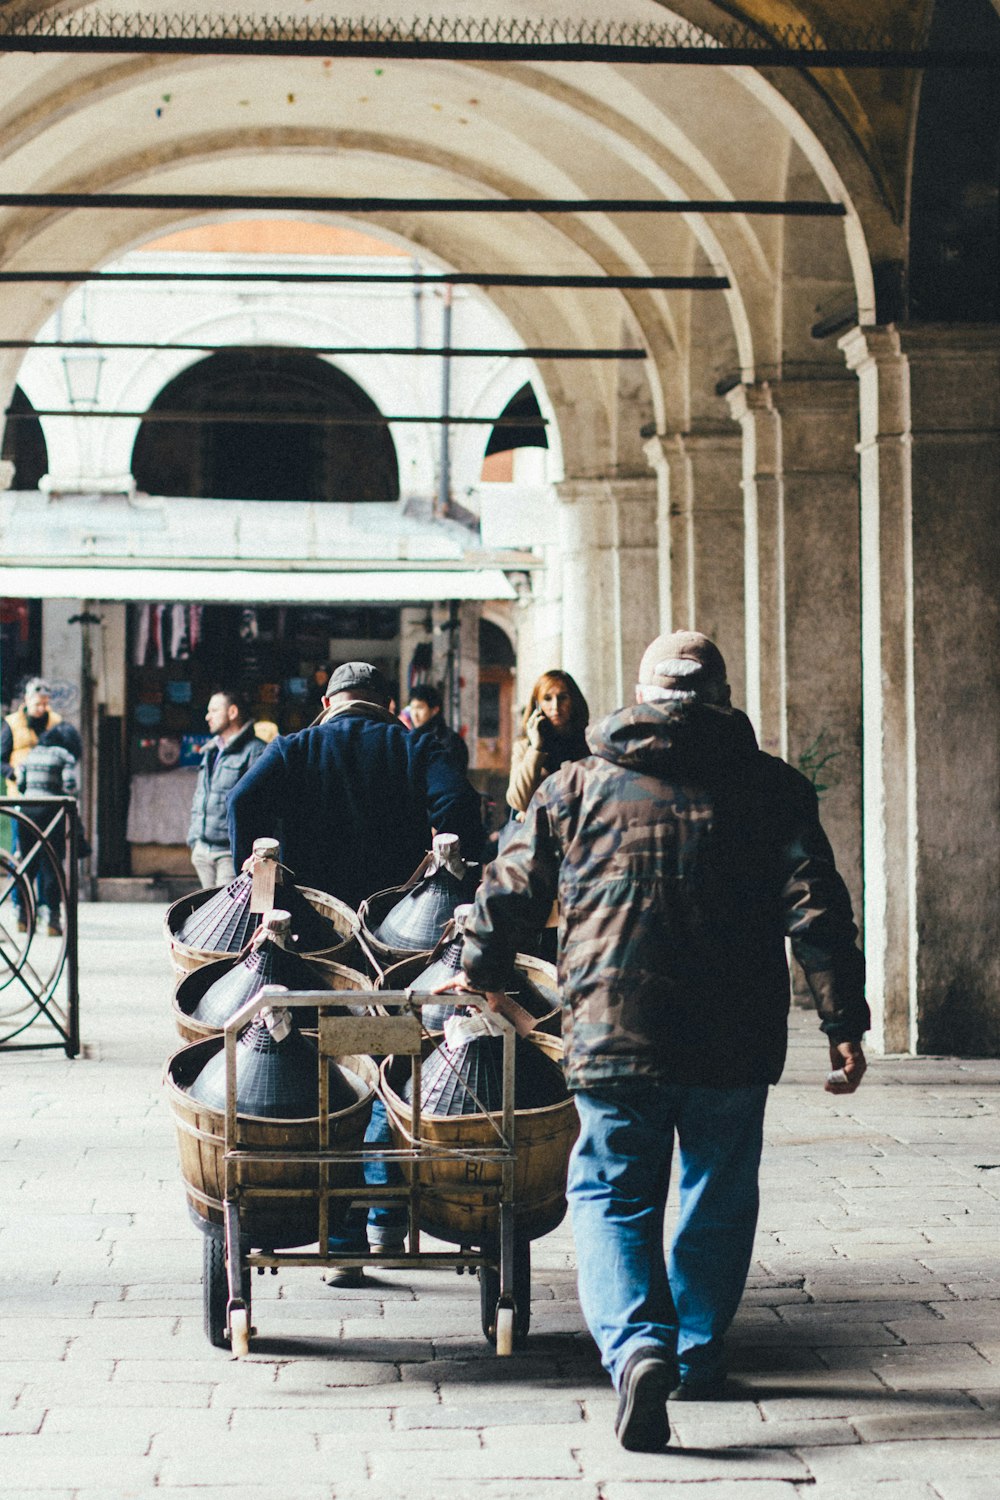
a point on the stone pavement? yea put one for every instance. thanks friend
(866, 1356)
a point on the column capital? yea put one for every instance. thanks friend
(870, 345)
(750, 400)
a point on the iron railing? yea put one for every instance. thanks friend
(39, 967)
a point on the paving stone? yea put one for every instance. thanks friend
(21, 1420)
(718, 1489)
(421, 1486)
(930, 1425)
(473, 1465)
(221, 1460)
(878, 1489)
(928, 1461)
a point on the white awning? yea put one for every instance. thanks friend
(253, 586)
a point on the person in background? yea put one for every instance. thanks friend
(553, 731)
(19, 735)
(227, 757)
(47, 770)
(683, 858)
(354, 797)
(426, 717)
(22, 729)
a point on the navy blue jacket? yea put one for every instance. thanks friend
(220, 770)
(353, 801)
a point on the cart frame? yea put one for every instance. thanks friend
(399, 1031)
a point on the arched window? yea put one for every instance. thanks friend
(264, 458)
(527, 429)
(24, 443)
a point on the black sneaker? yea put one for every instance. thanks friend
(642, 1425)
(715, 1389)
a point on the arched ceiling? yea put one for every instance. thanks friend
(877, 104)
(448, 128)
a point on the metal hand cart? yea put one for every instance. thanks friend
(501, 1262)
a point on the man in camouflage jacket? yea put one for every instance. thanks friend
(682, 857)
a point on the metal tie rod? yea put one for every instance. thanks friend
(321, 203)
(351, 278)
(285, 419)
(433, 350)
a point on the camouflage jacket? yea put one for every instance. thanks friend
(682, 857)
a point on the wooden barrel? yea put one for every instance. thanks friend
(272, 1222)
(191, 988)
(186, 960)
(543, 1139)
(542, 975)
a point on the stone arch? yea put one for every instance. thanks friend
(265, 459)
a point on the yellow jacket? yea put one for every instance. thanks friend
(24, 738)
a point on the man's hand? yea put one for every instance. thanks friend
(847, 1062)
(521, 1020)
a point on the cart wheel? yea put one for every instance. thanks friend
(239, 1326)
(505, 1330)
(215, 1288)
(489, 1294)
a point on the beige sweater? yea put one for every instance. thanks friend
(528, 769)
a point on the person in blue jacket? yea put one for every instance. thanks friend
(353, 798)
(229, 754)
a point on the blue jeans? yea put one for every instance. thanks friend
(634, 1296)
(386, 1222)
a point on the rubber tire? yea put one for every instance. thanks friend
(215, 1288)
(489, 1294)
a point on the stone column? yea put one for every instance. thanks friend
(822, 603)
(657, 456)
(668, 457)
(930, 501)
(764, 573)
(701, 541)
(610, 583)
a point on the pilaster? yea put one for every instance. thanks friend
(930, 500)
(610, 583)
(822, 603)
(932, 483)
(753, 408)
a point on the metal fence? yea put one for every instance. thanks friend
(39, 972)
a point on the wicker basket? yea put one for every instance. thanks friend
(191, 988)
(186, 960)
(544, 1138)
(400, 976)
(272, 1222)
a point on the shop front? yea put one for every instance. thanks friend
(142, 669)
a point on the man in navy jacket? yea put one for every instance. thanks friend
(354, 797)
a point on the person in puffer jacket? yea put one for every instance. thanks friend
(682, 857)
(48, 769)
(227, 757)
